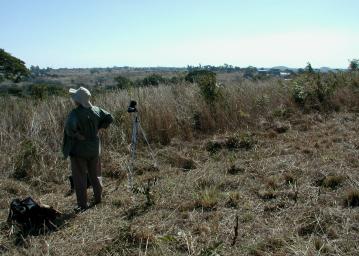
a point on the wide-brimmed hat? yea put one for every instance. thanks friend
(81, 96)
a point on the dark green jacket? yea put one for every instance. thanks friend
(81, 131)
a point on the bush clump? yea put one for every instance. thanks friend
(26, 161)
(41, 91)
(314, 91)
(123, 82)
(153, 80)
(207, 82)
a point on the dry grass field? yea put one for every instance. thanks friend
(251, 174)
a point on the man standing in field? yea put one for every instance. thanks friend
(81, 142)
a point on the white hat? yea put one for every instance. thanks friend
(82, 96)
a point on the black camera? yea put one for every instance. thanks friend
(132, 107)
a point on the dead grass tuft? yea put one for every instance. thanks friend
(321, 246)
(333, 181)
(313, 222)
(351, 199)
(236, 169)
(208, 199)
(280, 127)
(233, 200)
(270, 244)
(179, 161)
(272, 183)
(267, 194)
(289, 178)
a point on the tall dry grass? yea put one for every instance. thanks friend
(272, 189)
(31, 131)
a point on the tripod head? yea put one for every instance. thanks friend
(132, 107)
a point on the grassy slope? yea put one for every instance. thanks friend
(195, 211)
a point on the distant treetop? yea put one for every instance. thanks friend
(12, 68)
(354, 65)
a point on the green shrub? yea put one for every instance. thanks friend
(354, 65)
(15, 91)
(214, 146)
(41, 91)
(38, 91)
(153, 80)
(192, 76)
(56, 90)
(247, 140)
(26, 161)
(176, 79)
(123, 82)
(314, 91)
(207, 83)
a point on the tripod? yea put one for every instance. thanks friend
(136, 126)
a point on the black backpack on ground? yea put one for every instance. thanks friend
(30, 215)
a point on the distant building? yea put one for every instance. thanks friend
(284, 74)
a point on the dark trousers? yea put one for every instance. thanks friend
(81, 168)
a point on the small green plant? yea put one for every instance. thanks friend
(233, 142)
(262, 102)
(299, 93)
(145, 189)
(214, 146)
(26, 161)
(247, 141)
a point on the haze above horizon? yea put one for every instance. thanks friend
(179, 33)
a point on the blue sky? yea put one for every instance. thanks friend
(90, 33)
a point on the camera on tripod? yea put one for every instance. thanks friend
(132, 107)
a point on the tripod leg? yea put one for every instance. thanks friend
(133, 151)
